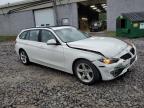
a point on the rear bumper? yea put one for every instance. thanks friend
(16, 49)
(110, 72)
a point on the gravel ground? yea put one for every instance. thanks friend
(35, 86)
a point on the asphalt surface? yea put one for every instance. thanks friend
(36, 86)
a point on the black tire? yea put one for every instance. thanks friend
(96, 76)
(23, 55)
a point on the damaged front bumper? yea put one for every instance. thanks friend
(112, 71)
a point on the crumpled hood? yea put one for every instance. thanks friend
(109, 47)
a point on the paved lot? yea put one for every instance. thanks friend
(36, 86)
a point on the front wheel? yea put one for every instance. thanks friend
(24, 58)
(86, 72)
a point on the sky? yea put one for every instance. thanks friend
(8, 1)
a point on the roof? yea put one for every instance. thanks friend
(26, 5)
(61, 27)
(50, 27)
(23, 2)
(134, 16)
(17, 3)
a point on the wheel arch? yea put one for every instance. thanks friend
(83, 59)
(76, 61)
(21, 49)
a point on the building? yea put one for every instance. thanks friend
(33, 13)
(79, 13)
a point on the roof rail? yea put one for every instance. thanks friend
(50, 27)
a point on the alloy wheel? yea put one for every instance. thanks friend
(23, 57)
(85, 72)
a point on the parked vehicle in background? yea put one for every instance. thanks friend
(65, 48)
(97, 26)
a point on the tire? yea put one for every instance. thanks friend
(24, 58)
(86, 72)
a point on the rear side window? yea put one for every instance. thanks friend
(23, 35)
(34, 35)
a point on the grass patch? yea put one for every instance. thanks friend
(111, 33)
(7, 38)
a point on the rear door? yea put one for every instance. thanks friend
(33, 44)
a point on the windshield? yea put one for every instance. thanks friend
(70, 35)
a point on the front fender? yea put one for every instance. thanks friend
(73, 54)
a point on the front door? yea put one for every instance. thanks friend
(52, 55)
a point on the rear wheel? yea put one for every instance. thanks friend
(86, 72)
(24, 58)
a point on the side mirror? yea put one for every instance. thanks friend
(51, 42)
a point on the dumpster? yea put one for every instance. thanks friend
(130, 25)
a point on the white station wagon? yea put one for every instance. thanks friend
(65, 48)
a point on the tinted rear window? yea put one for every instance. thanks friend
(34, 35)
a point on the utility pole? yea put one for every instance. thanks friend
(56, 12)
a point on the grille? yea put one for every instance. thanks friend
(132, 51)
(126, 56)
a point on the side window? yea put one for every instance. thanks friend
(23, 35)
(33, 35)
(46, 35)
